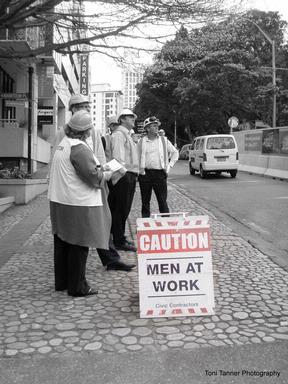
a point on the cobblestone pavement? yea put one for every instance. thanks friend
(18, 213)
(250, 292)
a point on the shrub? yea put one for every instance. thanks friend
(13, 173)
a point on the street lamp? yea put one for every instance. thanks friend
(272, 42)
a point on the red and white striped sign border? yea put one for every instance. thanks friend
(178, 311)
(172, 222)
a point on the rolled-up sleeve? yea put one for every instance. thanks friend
(85, 166)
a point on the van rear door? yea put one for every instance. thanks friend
(221, 150)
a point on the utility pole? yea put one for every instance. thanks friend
(272, 42)
(274, 82)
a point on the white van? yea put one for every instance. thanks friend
(214, 153)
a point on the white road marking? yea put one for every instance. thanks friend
(257, 227)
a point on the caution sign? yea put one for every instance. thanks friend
(175, 267)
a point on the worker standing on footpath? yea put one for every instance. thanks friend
(121, 195)
(112, 124)
(156, 157)
(80, 216)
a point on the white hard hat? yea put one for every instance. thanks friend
(151, 120)
(81, 121)
(126, 112)
(78, 99)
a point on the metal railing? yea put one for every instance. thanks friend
(9, 123)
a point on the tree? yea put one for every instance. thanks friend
(217, 71)
(102, 22)
(157, 90)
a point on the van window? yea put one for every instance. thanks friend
(201, 144)
(220, 143)
(197, 144)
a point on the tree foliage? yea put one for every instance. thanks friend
(105, 26)
(212, 73)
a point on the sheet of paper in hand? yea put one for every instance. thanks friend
(114, 165)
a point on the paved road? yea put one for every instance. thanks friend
(254, 206)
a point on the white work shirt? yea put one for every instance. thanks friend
(156, 154)
(152, 158)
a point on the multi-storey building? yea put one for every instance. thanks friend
(129, 81)
(105, 102)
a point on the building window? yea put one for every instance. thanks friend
(7, 85)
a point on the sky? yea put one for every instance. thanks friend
(105, 70)
(270, 5)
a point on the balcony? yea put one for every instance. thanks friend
(25, 40)
(9, 123)
(13, 46)
(32, 36)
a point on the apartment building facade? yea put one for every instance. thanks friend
(105, 102)
(130, 78)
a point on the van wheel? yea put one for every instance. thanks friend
(191, 169)
(203, 174)
(233, 173)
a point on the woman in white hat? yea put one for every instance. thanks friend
(80, 215)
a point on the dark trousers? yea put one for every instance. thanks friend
(70, 267)
(109, 256)
(120, 201)
(156, 180)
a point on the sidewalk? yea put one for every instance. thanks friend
(49, 337)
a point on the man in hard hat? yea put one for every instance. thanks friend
(112, 124)
(78, 103)
(157, 155)
(121, 195)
